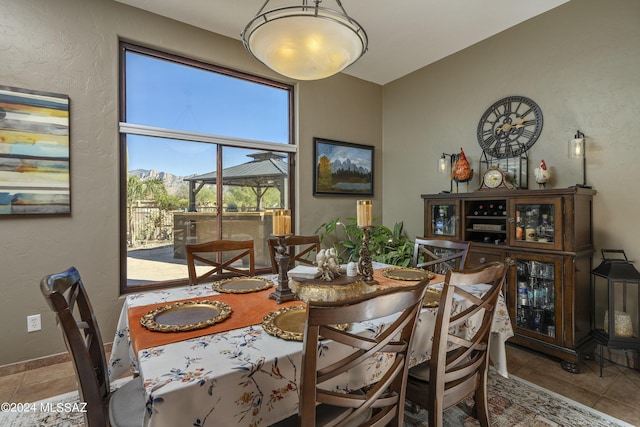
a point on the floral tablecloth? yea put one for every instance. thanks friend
(246, 377)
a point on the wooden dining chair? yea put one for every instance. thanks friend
(383, 403)
(303, 246)
(439, 255)
(66, 295)
(211, 255)
(458, 366)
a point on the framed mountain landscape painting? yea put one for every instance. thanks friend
(34, 152)
(342, 168)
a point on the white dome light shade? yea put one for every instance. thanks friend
(305, 43)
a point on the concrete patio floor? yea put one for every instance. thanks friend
(156, 264)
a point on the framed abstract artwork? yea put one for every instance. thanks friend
(34, 152)
(342, 168)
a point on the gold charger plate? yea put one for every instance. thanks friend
(431, 298)
(406, 273)
(288, 323)
(185, 316)
(242, 285)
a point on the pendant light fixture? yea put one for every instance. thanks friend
(305, 42)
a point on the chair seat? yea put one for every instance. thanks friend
(439, 255)
(307, 247)
(324, 414)
(384, 401)
(458, 365)
(421, 372)
(210, 255)
(126, 404)
(67, 297)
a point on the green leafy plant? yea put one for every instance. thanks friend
(385, 245)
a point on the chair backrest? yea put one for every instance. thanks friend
(67, 297)
(439, 255)
(387, 395)
(304, 247)
(211, 254)
(459, 364)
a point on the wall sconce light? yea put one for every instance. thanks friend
(446, 168)
(577, 151)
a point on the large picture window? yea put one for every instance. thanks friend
(205, 154)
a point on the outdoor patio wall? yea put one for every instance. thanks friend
(580, 62)
(71, 47)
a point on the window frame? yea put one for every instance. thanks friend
(125, 128)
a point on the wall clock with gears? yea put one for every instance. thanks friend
(509, 127)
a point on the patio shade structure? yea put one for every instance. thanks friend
(266, 170)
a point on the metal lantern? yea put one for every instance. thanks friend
(615, 299)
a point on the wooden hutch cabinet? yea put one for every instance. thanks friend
(548, 235)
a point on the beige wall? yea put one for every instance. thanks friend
(343, 109)
(71, 47)
(579, 62)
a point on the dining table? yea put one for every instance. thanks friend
(237, 372)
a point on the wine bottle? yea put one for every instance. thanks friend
(439, 229)
(519, 226)
(530, 227)
(542, 231)
(550, 229)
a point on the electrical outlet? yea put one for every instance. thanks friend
(34, 323)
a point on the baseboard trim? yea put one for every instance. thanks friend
(41, 362)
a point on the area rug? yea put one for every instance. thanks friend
(513, 403)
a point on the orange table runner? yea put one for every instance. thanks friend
(247, 309)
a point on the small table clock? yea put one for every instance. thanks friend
(494, 178)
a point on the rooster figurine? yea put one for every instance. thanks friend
(461, 171)
(542, 174)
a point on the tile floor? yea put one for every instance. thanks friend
(617, 393)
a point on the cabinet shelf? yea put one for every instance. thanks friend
(492, 217)
(471, 230)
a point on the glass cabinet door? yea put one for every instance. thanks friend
(442, 218)
(536, 223)
(536, 290)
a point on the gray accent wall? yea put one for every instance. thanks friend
(579, 62)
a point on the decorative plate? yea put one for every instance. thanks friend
(431, 298)
(406, 273)
(242, 285)
(185, 316)
(288, 323)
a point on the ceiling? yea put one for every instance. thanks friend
(404, 35)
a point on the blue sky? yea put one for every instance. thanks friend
(170, 95)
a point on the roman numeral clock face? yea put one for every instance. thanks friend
(509, 127)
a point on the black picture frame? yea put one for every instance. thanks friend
(342, 168)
